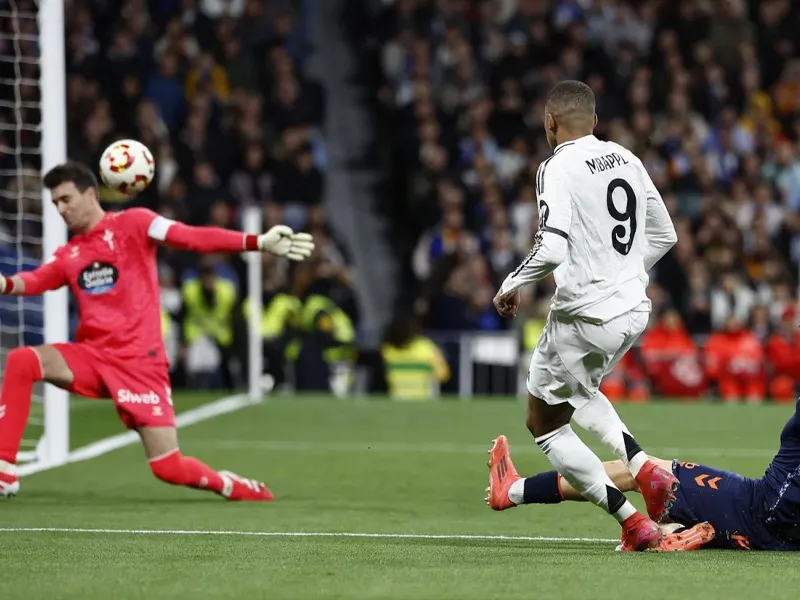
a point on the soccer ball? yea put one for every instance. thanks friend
(127, 166)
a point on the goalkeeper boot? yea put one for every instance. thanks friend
(501, 475)
(9, 483)
(658, 487)
(244, 490)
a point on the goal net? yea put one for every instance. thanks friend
(32, 131)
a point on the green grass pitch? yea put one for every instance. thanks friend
(371, 467)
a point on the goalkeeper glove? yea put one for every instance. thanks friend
(282, 241)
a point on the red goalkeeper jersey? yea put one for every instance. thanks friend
(112, 272)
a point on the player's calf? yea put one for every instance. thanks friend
(186, 471)
(657, 485)
(584, 471)
(176, 469)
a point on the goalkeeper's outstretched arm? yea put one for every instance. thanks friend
(280, 240)
(50, 276)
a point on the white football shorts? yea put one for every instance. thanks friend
(573, 356)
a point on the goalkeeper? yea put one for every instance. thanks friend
(110, 266)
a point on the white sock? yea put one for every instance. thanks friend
(8, 468)
(636, 463)
(599, 417)
(584, 471)
(516, 493)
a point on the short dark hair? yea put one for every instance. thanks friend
(71, 171)
(401, 329)
(572, 99)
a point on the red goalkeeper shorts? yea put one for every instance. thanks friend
(139, 388)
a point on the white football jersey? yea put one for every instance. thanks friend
(602, 226)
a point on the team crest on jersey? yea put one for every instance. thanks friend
(98, 278)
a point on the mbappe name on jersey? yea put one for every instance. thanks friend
(606, 162)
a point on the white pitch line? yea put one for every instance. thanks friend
(310, 534)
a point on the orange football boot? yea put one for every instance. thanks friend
(501, 475)
(640, 533)
(658, 487)
(687, 540)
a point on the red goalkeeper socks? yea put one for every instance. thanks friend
(177, 469)
(23, 369)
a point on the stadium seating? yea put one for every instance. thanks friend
(704, 92)
(219, 93)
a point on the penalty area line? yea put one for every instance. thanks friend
(202, 413)
(309, 534)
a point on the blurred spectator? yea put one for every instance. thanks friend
(171, 304)
(323, 351)
(165, 90)
(704, 92)
(415, 366)
(627, 381)
(783, 354)
(735, 362)
(731, 298)
(672, 358)
(213, 87)
(208, 327)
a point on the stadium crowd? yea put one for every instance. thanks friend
(217, 89)
(705, 92)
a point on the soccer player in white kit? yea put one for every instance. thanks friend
(602, 226)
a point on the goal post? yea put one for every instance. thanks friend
(54, 449)
(252, 220)
(33, 133)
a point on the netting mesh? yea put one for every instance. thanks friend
(21, 319)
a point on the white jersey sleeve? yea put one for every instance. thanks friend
(550, 242)
(659, 230)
